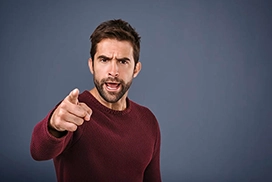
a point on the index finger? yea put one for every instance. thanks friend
(73, 96)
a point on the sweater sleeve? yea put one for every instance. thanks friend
(152, 172)
(45, 146)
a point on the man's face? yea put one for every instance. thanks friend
(113, 69)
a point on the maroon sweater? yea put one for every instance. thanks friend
(112, 146)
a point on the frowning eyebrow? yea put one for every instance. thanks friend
(123, 59)
(110, 58)
(104, 57)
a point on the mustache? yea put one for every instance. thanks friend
(110, 79)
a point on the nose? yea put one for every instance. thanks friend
(114, 71)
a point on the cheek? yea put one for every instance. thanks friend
(127, 77)
(99, 73)
(97, 76)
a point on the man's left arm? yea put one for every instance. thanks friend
(152, 172)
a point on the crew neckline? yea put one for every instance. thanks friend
(87, 94)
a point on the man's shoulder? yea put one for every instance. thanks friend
(143, 110)
(136, 105)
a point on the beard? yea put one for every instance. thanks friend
(111, 97)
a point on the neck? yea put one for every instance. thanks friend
(120, 105)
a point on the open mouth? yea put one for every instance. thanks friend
(112, 86)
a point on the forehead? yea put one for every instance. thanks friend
(113, 47)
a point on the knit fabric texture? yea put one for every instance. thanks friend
(113, 146)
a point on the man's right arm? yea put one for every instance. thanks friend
(44, 145)
(51, 135)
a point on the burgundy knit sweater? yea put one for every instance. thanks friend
(121, 146)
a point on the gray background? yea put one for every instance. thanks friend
(207, 76)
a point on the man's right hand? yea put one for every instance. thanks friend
(69, 115)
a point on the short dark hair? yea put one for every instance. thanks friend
(119, 30)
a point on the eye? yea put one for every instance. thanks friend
(103, 60)
(124, 61)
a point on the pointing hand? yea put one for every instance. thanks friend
(69, 115)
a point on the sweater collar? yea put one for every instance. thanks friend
(91, 100)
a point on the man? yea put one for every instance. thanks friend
(101, 135)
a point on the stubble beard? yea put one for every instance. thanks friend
(111, 97)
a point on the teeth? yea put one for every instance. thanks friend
(112, 87)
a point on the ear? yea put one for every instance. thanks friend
(90, 63)
(137, 69)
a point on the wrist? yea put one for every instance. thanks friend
(54, 132)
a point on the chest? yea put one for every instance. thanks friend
(123, 143)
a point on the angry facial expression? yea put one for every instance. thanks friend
(113, 69)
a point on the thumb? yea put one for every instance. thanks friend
(73, 96)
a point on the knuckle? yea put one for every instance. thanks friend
(79, 121)
(58, 124)
(61, 113)
(81, 112)
(64, 104)
(72, 128)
